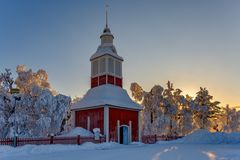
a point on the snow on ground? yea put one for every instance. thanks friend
(188, 148)
(114, 151)
(78, 131)
(206, 137)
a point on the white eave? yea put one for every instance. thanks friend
(106, 49)
(106, 95)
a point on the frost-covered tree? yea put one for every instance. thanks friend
(170, 108)
(30, 82)
(159, 115)
(205, 110)
(152, 118)
(36, 112)
(230, 119)
(185, 123)
(38, 116)
(137, 92)
(6, 80)
(168, 112)
(69, 120)
(6, 110)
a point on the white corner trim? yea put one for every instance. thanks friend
(88, 123)
(130, 132)
(106, 122)
(118, 130)
(73, 119)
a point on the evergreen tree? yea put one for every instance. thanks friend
(205, 110)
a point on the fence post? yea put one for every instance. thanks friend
(78, 140)
(155, 138)
(51, 139)
(15, 141)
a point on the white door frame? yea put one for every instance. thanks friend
(130, 132)
(124, 125)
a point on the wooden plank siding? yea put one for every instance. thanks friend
(96, 118)
(124, 116)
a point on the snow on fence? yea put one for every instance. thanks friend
(150, 139)
(51, 140)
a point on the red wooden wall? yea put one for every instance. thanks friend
(106, 79)
(124, 116)
(118, 82)
(96, 118)
(94, 82)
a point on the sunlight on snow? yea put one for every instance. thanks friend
(157, 156)
(211, 155)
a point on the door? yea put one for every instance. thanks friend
(124, 135)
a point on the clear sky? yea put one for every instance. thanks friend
(192, 43)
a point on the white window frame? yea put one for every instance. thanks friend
(93, 62)
(108, 61)
(100, 63)
(120, 68)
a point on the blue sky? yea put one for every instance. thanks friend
(191, 43)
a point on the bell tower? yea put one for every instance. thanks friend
(106, 64)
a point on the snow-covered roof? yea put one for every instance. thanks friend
(106, 49)
(106, 95)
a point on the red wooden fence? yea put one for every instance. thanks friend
(50, 140)
(150, 139)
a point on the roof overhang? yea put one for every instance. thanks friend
(106, 95)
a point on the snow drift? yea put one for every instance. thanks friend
(78, 131)
(206, 137)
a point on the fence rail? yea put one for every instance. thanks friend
(150, 139)
(50, 140)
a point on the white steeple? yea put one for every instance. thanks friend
(106, 64)
(106, 46)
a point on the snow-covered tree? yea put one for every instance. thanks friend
(6, 110)
(6, 80)
(205, 109)
(30, 82)
(170, 109)
(185, 118)
(230, 119)
(150, 101)
(168, 112)
(35, 111)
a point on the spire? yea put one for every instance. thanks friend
(106, 36)
(106, 29)
(106, 8)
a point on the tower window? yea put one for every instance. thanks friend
(94, 68)
(118, 68)
(102, 65)
(110, 65)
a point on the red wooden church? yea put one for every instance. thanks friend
(107, 105)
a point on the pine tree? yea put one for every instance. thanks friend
(205, 110)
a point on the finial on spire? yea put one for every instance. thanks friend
(106, 8)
